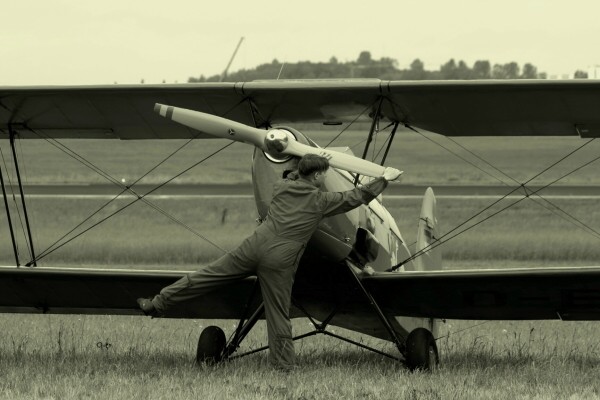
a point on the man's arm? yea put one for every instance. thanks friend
(333, 203)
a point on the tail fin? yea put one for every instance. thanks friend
(427, 235)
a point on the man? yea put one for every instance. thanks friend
(273, 251)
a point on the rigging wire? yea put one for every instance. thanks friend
(352, 123)
(349, 125)
(80, 159)
(569, 217)
(90, 165)
(452, 152)
(500, 180)
(439, 241)
(373, 155)
(382, 146)
(141, 197)
(116, 182)
(583, 226)
(527, 195)
(384, 142)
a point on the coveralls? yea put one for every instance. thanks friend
(272, 253)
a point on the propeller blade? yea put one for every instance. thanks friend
(336, 159)
(213, 125)
(274, 141)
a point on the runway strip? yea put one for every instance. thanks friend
(245, 190)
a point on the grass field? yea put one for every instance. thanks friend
(101, 357)
(59, 357)
(525, 233)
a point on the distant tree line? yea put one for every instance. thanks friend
(384, 68)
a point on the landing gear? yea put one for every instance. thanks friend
(421, 350)
(211, 345)
(417, 352)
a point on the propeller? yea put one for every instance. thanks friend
(274, 141)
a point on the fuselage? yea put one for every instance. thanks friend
(367, 234)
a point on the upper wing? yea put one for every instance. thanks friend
(89, 291)
(119, 111)
(453, 108)
(511, 294)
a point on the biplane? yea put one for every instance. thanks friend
(357, 272)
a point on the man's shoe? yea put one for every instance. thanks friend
(147, 307)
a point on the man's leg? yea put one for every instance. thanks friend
(238, 264)
(276, 276)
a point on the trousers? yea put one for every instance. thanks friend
(274, 260)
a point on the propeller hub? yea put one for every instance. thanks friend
(276, 141)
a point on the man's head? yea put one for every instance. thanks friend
(313, 168)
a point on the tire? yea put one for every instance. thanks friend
(210, 345)
(421, 350)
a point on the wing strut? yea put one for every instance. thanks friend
(391, 139)
(16, 162)
(10, 226)
(372, 131)
(257, 118)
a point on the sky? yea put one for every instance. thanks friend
(75, 42)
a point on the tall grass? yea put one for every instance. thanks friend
(97, 357)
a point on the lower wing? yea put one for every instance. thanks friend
(501, 294)
(110, 291)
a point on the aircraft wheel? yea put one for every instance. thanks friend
(210, 345)
(421, 350)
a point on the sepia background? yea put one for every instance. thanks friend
(150, 42)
